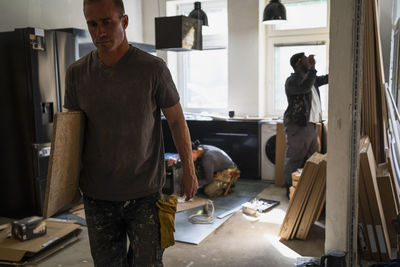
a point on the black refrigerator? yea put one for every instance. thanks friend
(33, 64)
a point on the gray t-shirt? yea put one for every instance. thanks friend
(213, 160)
(123, 152)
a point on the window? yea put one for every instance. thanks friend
(305, 31)
(305, 14)
(205, 79)
(202, 76)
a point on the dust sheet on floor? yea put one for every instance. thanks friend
(187, 232)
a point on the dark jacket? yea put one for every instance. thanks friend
(299, 96)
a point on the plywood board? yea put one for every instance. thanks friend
(300, 197)
(296, 175)
(319, 136)
(291, 192)
(279, 153)
(65, 159)
(373, 104)
(321, 158)
(313, 204)
(320, 208)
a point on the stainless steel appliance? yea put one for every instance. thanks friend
(33, 64)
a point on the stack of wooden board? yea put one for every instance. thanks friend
(373, 103)
(378, 187)
(308, 199)
(378, 206)
(295, 181)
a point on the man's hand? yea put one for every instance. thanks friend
(180, 134)
(172, 161)
(311, 61)
(189, 186)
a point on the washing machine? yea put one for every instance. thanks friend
(267, 149)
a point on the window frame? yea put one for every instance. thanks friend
(292, 37)
(318, 30)
(180, 60)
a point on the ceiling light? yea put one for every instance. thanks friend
(274, 12)
(198, 13)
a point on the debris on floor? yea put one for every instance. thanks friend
(257, 206)
(16, 252)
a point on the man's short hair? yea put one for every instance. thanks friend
(195, 145)
(295, 58)
(118, 4)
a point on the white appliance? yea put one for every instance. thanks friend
(267, 149)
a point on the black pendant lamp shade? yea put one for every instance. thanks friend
(274, 12)
(198, 13)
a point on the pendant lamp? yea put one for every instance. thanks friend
(198, 13)
(274, 12)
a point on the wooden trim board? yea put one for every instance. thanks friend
(280, 153)
(368, 170)
(367, 221)
(388, 203)
(363, 239)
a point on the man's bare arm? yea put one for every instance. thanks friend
(181, 136)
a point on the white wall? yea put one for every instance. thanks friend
(133, 8)
(50, 14)
(13, 14)
(243, 57)
(151, 9)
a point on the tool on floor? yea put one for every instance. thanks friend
(28, 228)
(256, 206)
(206, 213)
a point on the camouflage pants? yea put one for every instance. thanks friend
(111, 222)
